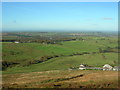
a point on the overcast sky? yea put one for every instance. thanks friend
(60, 16)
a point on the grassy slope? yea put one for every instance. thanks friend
(63, 63)
(23, 52)
(31, 77)
(28, 51)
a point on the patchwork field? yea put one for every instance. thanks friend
(64, 63)
(46, 65)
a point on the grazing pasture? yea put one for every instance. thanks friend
(39, 64)
(63, 63)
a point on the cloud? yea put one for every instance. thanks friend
(107, 18)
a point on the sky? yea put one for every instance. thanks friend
(59, 16)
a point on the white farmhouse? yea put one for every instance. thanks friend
(16, 42)
(107, 67)
(82, 67)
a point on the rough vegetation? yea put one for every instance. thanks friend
(62, 79)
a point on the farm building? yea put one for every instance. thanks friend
(116, 68)
(82, 67)
(107, 67)
(16, 42)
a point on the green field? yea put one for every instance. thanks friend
(48, 63)
(26, 53)
(63, 63)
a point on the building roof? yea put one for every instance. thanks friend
(107, 66)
